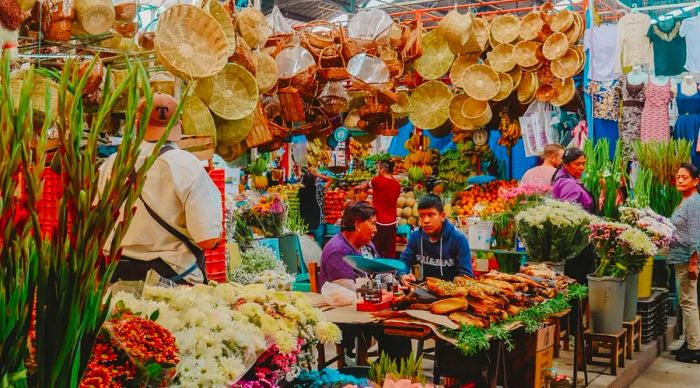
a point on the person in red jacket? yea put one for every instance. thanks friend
(385, 193)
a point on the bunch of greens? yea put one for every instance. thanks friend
(295, 223)
(662, 159)
(385, 367)
(612, 174)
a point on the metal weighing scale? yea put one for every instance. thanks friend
(374, 295)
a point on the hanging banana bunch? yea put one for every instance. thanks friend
(510, 130)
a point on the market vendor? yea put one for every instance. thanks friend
(178, 214)
(441, 250)
(385, 193)
(313, 186)
(543, 174)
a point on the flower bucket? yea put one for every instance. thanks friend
(645, 278)
(606, 296)
(480, 233)
(631, 288)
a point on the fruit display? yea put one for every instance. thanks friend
(419, 161)
(355, 177)
(317, 153)
(510, 131)
(481, 199)
(256, 169)
(333, 205)
(407, 209)
(371, 162)
(360, 150)
(289, 194)
(457, 165)
(399, 166)
(259, 182)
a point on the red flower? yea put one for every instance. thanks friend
(97, 376)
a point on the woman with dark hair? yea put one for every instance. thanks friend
(385, 193)
(683, 254)
(311, 195)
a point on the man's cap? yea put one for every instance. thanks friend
(164, 107)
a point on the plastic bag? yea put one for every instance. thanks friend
(337, 295)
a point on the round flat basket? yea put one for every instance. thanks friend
(530, 26)
(545, 93)
(506, 87)
(527, 88)
(196, 118)
(581, 57)
(218, 12)
(525, 53)
(515, 75)
(566, 66)
(253, 26)
(95, 16)
(555, 46)
(436, 59)
(478, 112)
(265, 71)
(482, 82)
(231, 132)
(505, 28)
(455, 28)
(575, 31)
(564, 92)
(562, 21)
(460, 66)
(231, 94)
(501, 58)
(431, 104)
(403, 107)
(190, 43)
(476, 41)
(457, 117)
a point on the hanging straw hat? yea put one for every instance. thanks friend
(232, 93)
(190, 43)
(566, 66)
(403, 107)
(219, 13)
(230, 132)
(457, 117)
(476, 41)
(481, 82)
(562, 21)
(545, 93)
(265, 71)
(501, 58)
(525, 53)
(505, 28)
(436, 59)
(575, 30)
(581, 57)
(196, 118)
(431, 104)
(460, 66)
(455, 28)
(253, 26)
(506, 87)
(530, 26)
(555, 46)
(527, 87)
(564, 91)
(95, 16)
(478, 112)
(515, 76)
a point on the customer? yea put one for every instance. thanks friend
(314, 185)
(543, 174)
(178, 214)
(441, 250)
(683, 254)
(385, 193)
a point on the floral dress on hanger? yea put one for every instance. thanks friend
(606, 111)
(655, 121)
(632, 97)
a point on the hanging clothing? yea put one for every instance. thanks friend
(606, 104)
(688, 121)
(655, 124)
(632, 42)
(632, 97)
(607, 129)
(669, 47)
(601, 43)
(690, 30)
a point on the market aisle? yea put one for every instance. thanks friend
(666, 372)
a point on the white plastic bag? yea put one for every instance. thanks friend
(337, 295)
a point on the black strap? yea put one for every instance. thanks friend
(197, 251)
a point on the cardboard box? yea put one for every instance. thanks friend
(545, 338)
(543, 361)
(533, 354)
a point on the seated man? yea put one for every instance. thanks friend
(441, 250)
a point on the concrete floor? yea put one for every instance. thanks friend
(667, 372)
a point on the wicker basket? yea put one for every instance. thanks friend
(581, 57)
(459, 68)
(230, 153)
(58, 25)
(525, 53)
(545, 93)
(575, 31)
(222, 17)
(527, 88)
(392, 60)
(373, 111)
(555, 46)
(94, 80)
(320, 34)
(516, 74)
(231, 132)
(562, 21)
(564, 92)
(253, 27)
(260, 132)
(190, 43)
(501, 58)
(331, 65)
(95, 16)
(530, 26)
(476, 41)
(403, 107)
(506, 87)
(482, 82)
(566, 66)
(315, 125)
(455, 28)
(126, 29)
(455, 112)
(333, 98)
(431, 104)
(266, 73)
(43, 89)
(544, 75)
(478, 112)
(125, 12)
(414, 45)
(291, 104)
(505, 28)
(147, 40)
(196, 118)
(244, 56)
(162, 82)
(232, 94)
(436, 59)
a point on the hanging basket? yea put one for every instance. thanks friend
(525, 53)
(530, 26)
(392, 60)
(564, 92)
(196, 118)
(436, 59)
(555, 46)
(260, 132)
(505, 28)
(476, 40)
(291, 104)
(331, 65)
(253, 26)
(506, 87)
(431, 104)
(527, 87)
(459, 68)
(320, 34)
(57, 26)
(232, 93)
(456, 115)
(562, 21)
(95, 16)
(501, 58)
(455, 28)
(516, 74)
(230, 132)
(315, 125)
(218, 12)
(266, 72)
(566, 66)
(403, 107)
(478, 112)
(482, 82)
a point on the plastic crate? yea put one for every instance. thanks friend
(215, 262)
(219, 277)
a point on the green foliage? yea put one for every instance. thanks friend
(613, 173)
(387, 368)
(661, 160)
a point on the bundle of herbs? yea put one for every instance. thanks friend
(662, 159)
(603, 177)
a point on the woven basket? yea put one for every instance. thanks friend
(190, 43)
(244, 57)
(555, 46)
(545, 93)
(126, 29)
(505, 28)
(501, 58)
(398, 35)
(331, 65)
(196, 118)
(260, 131)
(562, 21)
(455, 28)
(530, 26)
(581, 57)
(481, 82)
(125, 12)
(525, 53)
(296, 66)
(373, 111)
(431, 104)
(95, 16)
(147, 40)
(506, 87)
(231, 132)
(436, 59)
(544, 75)
(575, 30)
(402, 108)
(476, 41)
(478, 112)
(57, 26)
(253, 27)
(392, 60)
(320, 34)
(456, 115)
(414, 44)
(230, 153)
(162, 82)
(291, 104)
(232, 94)
(222, 17)
(333, 98)
(564, 92)
(43, 89)
(516, 74)
(459, 68)
(527, 87)
(266, 71)
(352, 119)
(566, 66)
(387, 128)
(316, 123)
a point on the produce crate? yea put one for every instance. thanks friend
(216, 263)
(653, 313)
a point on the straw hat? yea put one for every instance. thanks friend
(265, 71)
(253, 26)
(555, 46)
(515, 75)
(403, 107)
(501, 58)
(545, 93)
(525, 53)
(530, 26)
(455, 28)
(431, 104)
(481, 82)
(233, 131)
(476, 41)
(95, 16)
(190, 43)
(527, 87)
(196, 118)
(562, 21)
(455, 112)
(581, 57)
(478, 112)
(460, 66)
(436, 59)
(505, 28)
(232, 93)
(218, 12)
(564, 92)
(506, 87)
(566, 66)
(575, 31)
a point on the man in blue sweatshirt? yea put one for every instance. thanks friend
(441, 250)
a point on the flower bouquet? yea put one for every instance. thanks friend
(620, 248)
(523, 192)
(260, 266)
(657, 227)
(267, 217)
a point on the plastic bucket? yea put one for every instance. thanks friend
(645, 279)
(606, 296)
(631, 289)
(480, 234)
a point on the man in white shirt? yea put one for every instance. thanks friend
(542, 175)
(178, 214)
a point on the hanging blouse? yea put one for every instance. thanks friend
(606, 104)
(601, 43)
(690, 30)
(632, 41)
(669, 47)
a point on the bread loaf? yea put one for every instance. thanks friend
(464, 318)
(449, 305)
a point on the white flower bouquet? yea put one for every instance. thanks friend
(260, 266)
(621, 248)
(657, 227)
